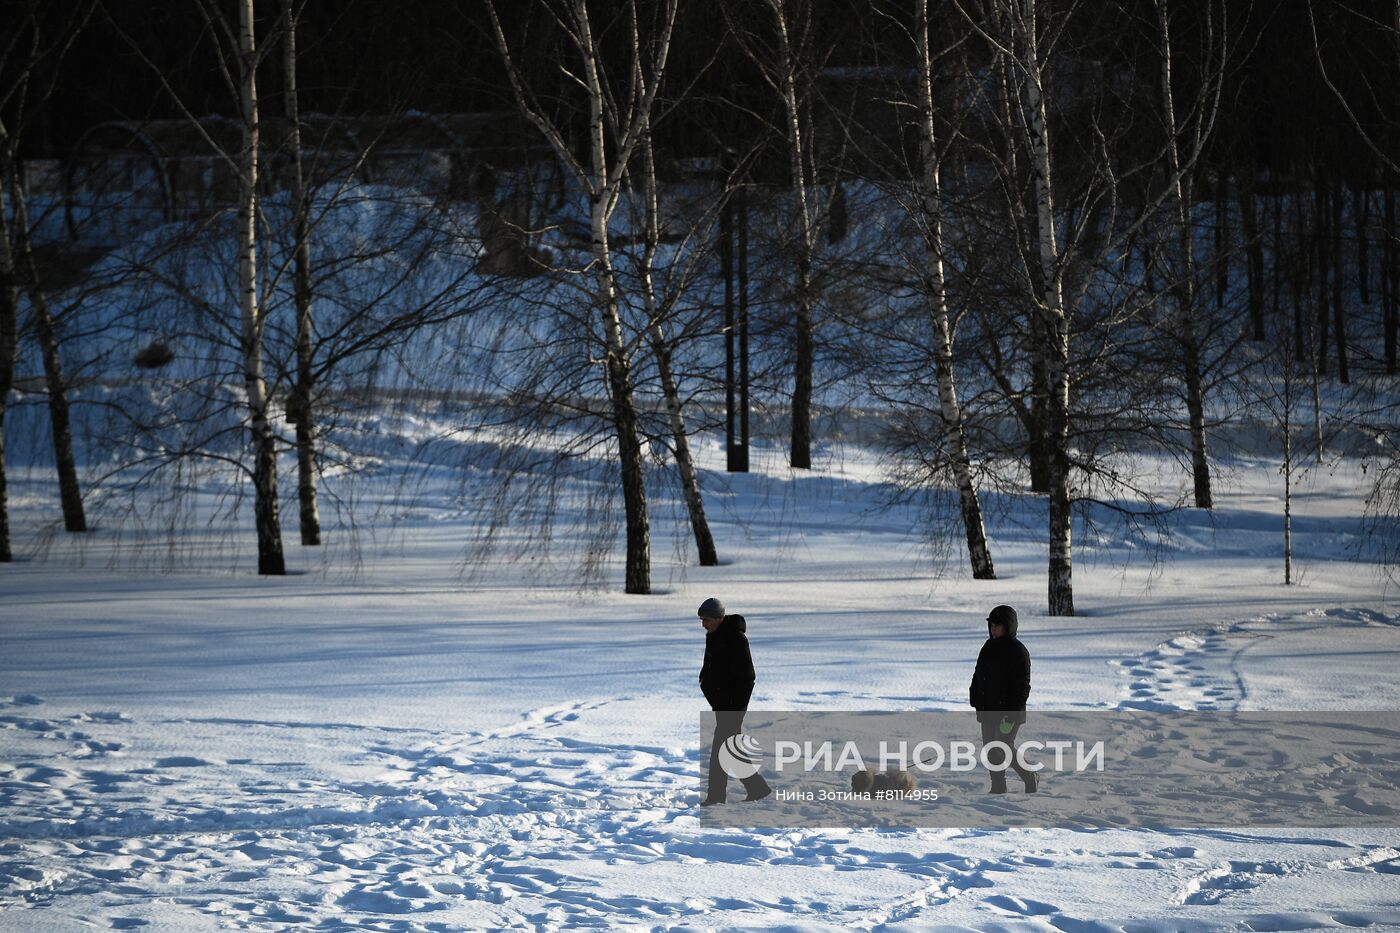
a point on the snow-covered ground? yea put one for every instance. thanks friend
(406, 750)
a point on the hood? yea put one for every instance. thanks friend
(734, 624)
(1004, 614)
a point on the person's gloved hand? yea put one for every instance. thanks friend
(1006, 725)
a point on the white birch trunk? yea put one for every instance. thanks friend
(603, 184)
(270, 558)
(951, 411)
(1184, 289)
(1055, 325)
(690, 481)
(1033, 416)
(602, 198)
(801, 408)
(302, 392)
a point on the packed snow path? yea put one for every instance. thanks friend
(1205, 670)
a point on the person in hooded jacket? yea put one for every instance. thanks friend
(726, 679)
(1001, 684)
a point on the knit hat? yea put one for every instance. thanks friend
(1003, 615)
(711, 608)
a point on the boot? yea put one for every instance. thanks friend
(757, 787)
(998, 782)
(1032, 781)
(711, 801)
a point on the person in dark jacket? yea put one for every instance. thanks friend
(1001, 684)
(726, 679)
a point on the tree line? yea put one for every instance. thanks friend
(1043, 238)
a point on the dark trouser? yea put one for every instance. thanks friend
(991, 732)
(729, 723)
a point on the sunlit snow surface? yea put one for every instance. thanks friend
(406, 749)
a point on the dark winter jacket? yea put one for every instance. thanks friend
(1002, 678)
(726, 678)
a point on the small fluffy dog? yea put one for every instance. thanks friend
(874, 782)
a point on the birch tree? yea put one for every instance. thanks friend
(1184, 289)
(1089, 309)
(239, 57)
(269, 528)
(1053, 346)
(661, 350)
(931, 197)
(1010, 124)
(615, 127)
(777, 39)
(18, 268)
(300, 406)
(55, 383)
(789, 59)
